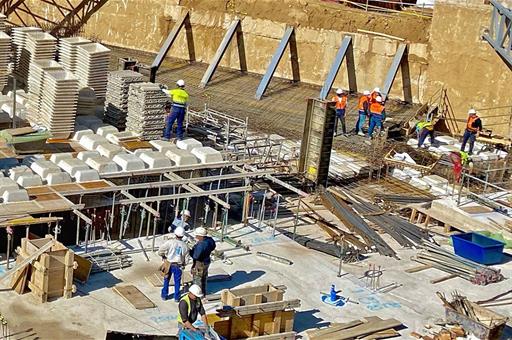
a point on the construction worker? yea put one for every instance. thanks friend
(375, 93)
(174, 253)
(424, 128)
(473, 128)
(341, 103)
(364, 111)
(179, 99)
(201, 256)
(189, 307)
(181, 221)
(460, 160)
(377, 115)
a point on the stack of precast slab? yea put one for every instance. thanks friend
(92, 67)
(5, 52)
(146, 113)
(116, 102)
(68, 50)
(19, 38)
(38, 46)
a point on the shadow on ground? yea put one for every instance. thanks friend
(306, 320)
(237, 278)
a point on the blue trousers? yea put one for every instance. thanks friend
(468, 136)
(423, 135)
(177, 114)
(176, 272)
(361, 121)
(340, 117)
(375, 120)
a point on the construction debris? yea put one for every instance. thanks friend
(371, 327)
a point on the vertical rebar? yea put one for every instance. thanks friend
(275, 216)
(296, 222)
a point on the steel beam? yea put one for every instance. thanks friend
(400, 59)
(143, 205)
(184, 21)
(288, 39)
(194, 188)
(345, 50)
(236, 27)
(500, 29)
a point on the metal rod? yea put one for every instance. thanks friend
(296, 221)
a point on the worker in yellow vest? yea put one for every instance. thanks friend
(425, 128)
(179, 99)
(189, 307)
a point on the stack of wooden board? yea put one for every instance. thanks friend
(253, 312)
(116, 101)
(368, 328)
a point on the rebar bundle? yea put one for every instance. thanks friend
(107, 260)
(439, 258)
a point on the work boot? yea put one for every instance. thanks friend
(360, 133)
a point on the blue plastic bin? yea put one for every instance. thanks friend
(478, 248)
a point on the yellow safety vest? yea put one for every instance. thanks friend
(426, 125)
(179, 96)
(185, 298)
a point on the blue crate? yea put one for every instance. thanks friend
(478, 248)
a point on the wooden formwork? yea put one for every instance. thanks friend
(251, 295)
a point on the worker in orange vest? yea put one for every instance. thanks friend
(377, 115)
(364, 111)
(341, 103)
(473, 128)
(375, 93)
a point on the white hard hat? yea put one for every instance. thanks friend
(186, 213)
(180, 83)
(472, 112)
(200, 231)
(376, 89)
(339, 91)
(366, 93)
(378, 99)
(179, 232)
(196, 291)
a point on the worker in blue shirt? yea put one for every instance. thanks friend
(201, 255)
(181, 221)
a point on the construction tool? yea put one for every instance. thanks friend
(274, 258)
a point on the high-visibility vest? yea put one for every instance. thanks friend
(185, 298)
(376, 109)
(341, 102)
(464, 156)
(179, 96)
(425, 124)
(362, 100)
(471, 120)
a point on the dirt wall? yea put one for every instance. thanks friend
(320, 27)
(465, 64)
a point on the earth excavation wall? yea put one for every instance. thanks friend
(445, 51)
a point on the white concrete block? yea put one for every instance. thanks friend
(188, 144)
(206, 154)
(91, 142)
(57, 157)
(128, 162)
(412, 142)
(397, 173)
(501, 154)
(446, 140)
(163, 146)
(58, 178)
(84, 155)
(86, 175)
(106, 129)
(15, 195)
(17, 171)
(435, 180)
(419, 183)
(102, 164)
(7, 184)
(139, 152)
(155, 159)
(412, 172)
(71, 166)
(79, 134)
(109, 150)
(29, 180)
(182, 157)
(43, 167)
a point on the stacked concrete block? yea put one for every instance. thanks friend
(68, 51)
(155, 159)
(182, 157)
(87, 102)
(128, 162)
(7, 184)
(109, 150)
(3, 20)
(91, 142)
(146, 113)
(29, 180)
(79, 134)
(207, 155)
(86, 175)
(15, 195)
(5, 52)
(38, 46)
(188, 144)
(58, 102)
(102, 164)
(43, 168)
(19, 40)
(92, 67)
(36, 79)
(139, 152)
(116, 101)
(57, 157)
(58, 178)
(163, 146)
(84, 155)
(72, 165)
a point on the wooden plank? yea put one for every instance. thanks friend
(155, 279)
(387, 333)
(267, 307)
(19, 280)
(444, 278)
(83, 270)
(365, 329)
(418, 268)
(134, 296)
(477, 209)
(334, 328)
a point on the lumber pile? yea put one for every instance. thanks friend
(367, 328)
(439, 258)
(146, 113)
(448, 332)
(116, 102)
(255, 312)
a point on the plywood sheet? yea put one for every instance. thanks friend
(477, 209)
(134, 296)
(66, 187)
(39, 190)
(95, 185)
(82, 272)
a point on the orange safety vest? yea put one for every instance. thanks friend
(362, 100)
(469, 125)
(376, 109)
(341, 102)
